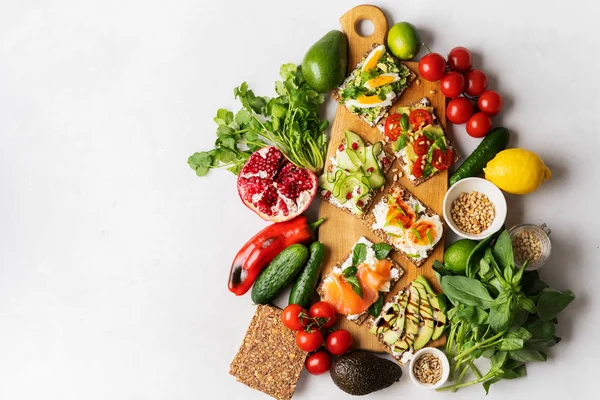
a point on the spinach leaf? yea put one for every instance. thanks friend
(503, 252)
(375, 308)
(359, 255)
(381, 250)
(527, 355)
(552, 301)
(468, 291)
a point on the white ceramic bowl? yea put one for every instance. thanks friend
(482, 186)
(445, 367)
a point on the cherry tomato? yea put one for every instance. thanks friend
(490, 102)
(394, 121)
(318, 363)
(479, 125)
(420, 146)
(339, 342)
(452, 84)
(309, 340)
(432, 67)
(325, 311)
(419, 118)
(459, 110)
(417, 169)
(291, 317)
(460, 59)
(477, 82)
(442, 159)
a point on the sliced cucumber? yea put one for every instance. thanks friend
(345, 162)
(376, 180)
(344, 186)
(328, 180)
(356, 144)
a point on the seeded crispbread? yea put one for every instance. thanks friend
(336, 95)
(268, 359)
(369, 220)
(365, 314)
(424, 102)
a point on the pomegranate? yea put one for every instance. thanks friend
(273, 187)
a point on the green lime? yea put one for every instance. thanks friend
(456, 255)
(403, 41)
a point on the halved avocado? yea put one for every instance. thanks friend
(426, 314)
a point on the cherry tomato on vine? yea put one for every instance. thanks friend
(420, 146)
(417, 169)
(291, 317)
(309, 340)
(459, 110)
(479, 125)
(452, 84)
(460, 59)
(432, 67)
(392, 128)
(490, 102)
(419, 118)
(477, 82)
(323, 310)
(318, 363)
(442, 159)
(339, 342)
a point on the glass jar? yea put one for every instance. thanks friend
(524, 235)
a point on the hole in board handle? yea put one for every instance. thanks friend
(364, 28)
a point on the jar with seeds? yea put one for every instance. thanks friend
(532, 243)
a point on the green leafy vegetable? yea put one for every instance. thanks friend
(381, 250)
(375, 308)
(468, 291)
(404, 122)
(350, 271)
(289, 121)
(355, 283)
(359, 255)
(551, 302)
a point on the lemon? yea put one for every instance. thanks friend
(457, 254)
(517, 171)
(403, 41)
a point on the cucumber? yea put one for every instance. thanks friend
(279, 273)
(305, 285)
(492, 144)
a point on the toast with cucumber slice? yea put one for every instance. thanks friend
(355, 174)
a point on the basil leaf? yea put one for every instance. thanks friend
(503, 253)
(473, 315)
(429, 135)
(520, 333)
(500, 312)
(375, 308)
(441, 143)
(551, 302)
(476, 255)
(542, 330)
(404, 122)
(527, 355)
(381, 250)
(509, 344)
(355, 283)
(498, 360)
(527, 304)
(468, 291)
(359, 255)
(350, 271)
(490, 382)
(428, 170)
(400, 142)
(440, 268)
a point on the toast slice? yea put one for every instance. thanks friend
(395, 273)
(372, 86)
(433, 133)
(355, 174)
(405, 223)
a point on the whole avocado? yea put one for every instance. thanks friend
(360, 372)
(324, 65)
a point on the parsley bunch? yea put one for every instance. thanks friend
(289, 121)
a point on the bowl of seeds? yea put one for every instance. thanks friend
(429, 368)
(474, 208)
(531, 244)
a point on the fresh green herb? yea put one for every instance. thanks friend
(429, 135)
(359, 255)
(404, 122)
(498, 312)
(415, 255)
(350, 271)
(416, 233)
(400, 142)
(429, 236)
(381, 250)
(427, 170)
(375, 308)
(289, 121)
(417, 208)
(355, 283)
(440, 143)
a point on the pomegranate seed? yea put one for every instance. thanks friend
(341, 147)
(358, 191)
(360, 203)
(327, 194)
(349, 196)
(354, 146)
(370, 169)
(385, 161)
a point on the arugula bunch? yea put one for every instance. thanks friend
(289, 121)
(359, 255)
(499, 312)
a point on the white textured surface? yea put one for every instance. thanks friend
(114, 256)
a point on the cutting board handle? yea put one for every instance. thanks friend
(360, 44)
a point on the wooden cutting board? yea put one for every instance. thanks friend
(341, 230)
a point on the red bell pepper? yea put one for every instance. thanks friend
(259, 251)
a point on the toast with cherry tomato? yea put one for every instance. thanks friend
(418, 140)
